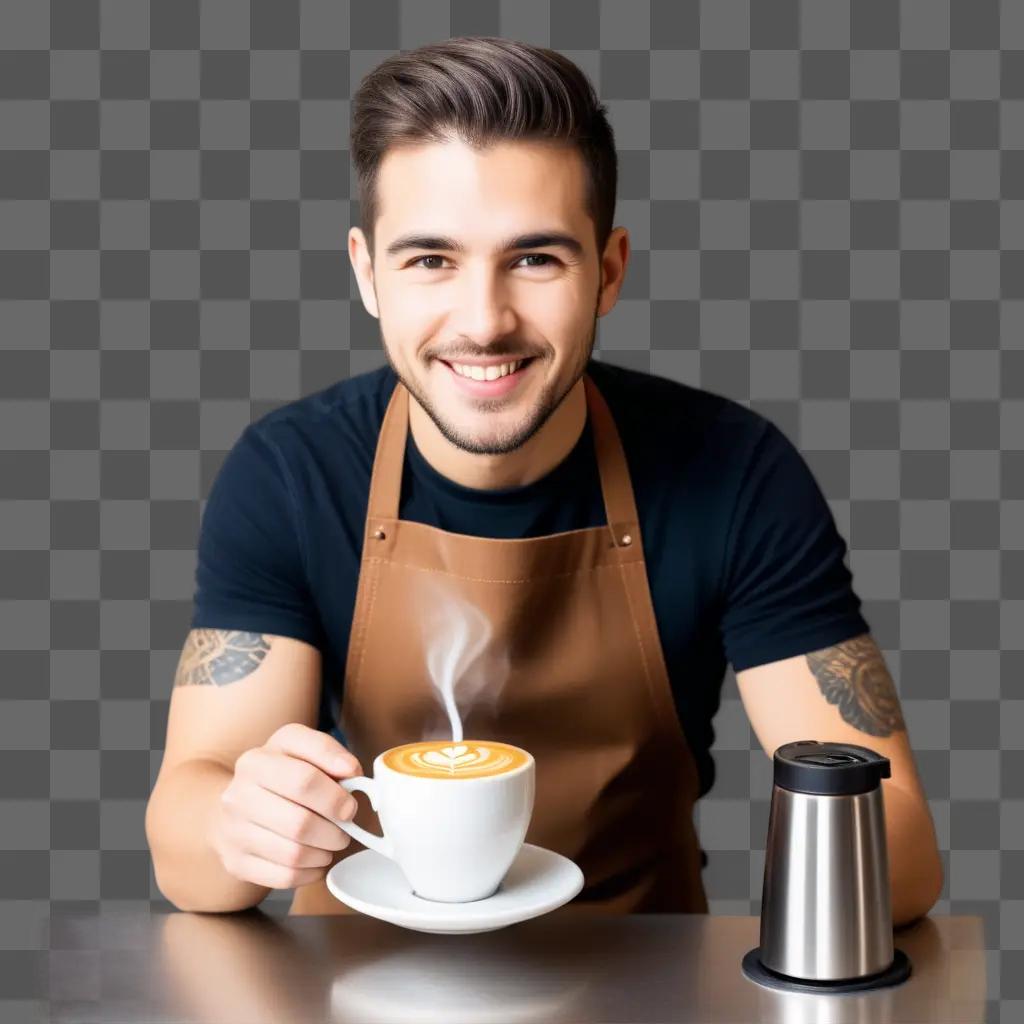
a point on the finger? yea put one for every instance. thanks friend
(298, 781)
(274, 876)
(254, 839)
(291, 820)
(317, 747)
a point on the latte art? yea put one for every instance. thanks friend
(452, 757)
(466, 760)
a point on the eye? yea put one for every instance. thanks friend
(532, 255)
(417, 261)
(541, 256)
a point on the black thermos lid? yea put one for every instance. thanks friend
(829, 769)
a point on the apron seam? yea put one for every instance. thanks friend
(640, 643)
(484, 579)
(673, 726)
(364, 625)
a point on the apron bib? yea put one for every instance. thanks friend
(578, 678)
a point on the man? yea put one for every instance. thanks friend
(625, 536)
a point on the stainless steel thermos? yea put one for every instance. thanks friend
(826, 913)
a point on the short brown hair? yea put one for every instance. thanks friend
(482, 89)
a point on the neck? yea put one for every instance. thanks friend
(532, 460)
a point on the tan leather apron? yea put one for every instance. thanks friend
(586, 691)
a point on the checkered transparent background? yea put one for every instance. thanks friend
(826, 208)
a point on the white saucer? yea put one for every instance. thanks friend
(538, 881)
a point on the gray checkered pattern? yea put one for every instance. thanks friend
(826, 207)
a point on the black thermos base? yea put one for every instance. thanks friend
(896, 973)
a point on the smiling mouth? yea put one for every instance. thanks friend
(491, 373)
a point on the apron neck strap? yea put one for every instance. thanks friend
(616, 488)
(619, 503)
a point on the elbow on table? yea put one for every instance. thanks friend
(909, 906)
(192, 903)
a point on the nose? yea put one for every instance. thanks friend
(484, 311)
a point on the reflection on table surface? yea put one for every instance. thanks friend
(570, 965)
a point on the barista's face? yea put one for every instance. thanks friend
(453, 301)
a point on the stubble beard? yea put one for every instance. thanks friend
(547, 402)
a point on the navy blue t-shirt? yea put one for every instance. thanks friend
(744, 560)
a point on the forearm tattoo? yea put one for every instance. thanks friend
(853, 676)
(215, 657)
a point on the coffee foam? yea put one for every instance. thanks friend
(443, 759)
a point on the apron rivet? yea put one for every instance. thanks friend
(627, 539)
(379, 533)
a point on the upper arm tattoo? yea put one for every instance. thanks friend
(853, 676)
(219, 656)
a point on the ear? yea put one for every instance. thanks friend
(613, 269)
(359, 256)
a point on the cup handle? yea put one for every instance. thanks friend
(380, 844)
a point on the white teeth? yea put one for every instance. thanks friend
(486, 372)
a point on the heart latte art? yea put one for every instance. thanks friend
(469, 759)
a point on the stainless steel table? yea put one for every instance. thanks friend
(257, 966)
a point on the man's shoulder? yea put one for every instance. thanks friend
(673, 412)
(349, 409)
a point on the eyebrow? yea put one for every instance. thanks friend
(533, 240)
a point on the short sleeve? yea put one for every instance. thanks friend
(250, 572)
(786, 587)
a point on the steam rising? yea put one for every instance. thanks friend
(457, 643)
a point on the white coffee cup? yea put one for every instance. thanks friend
(454, 838)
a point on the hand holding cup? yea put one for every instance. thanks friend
(276, 822)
